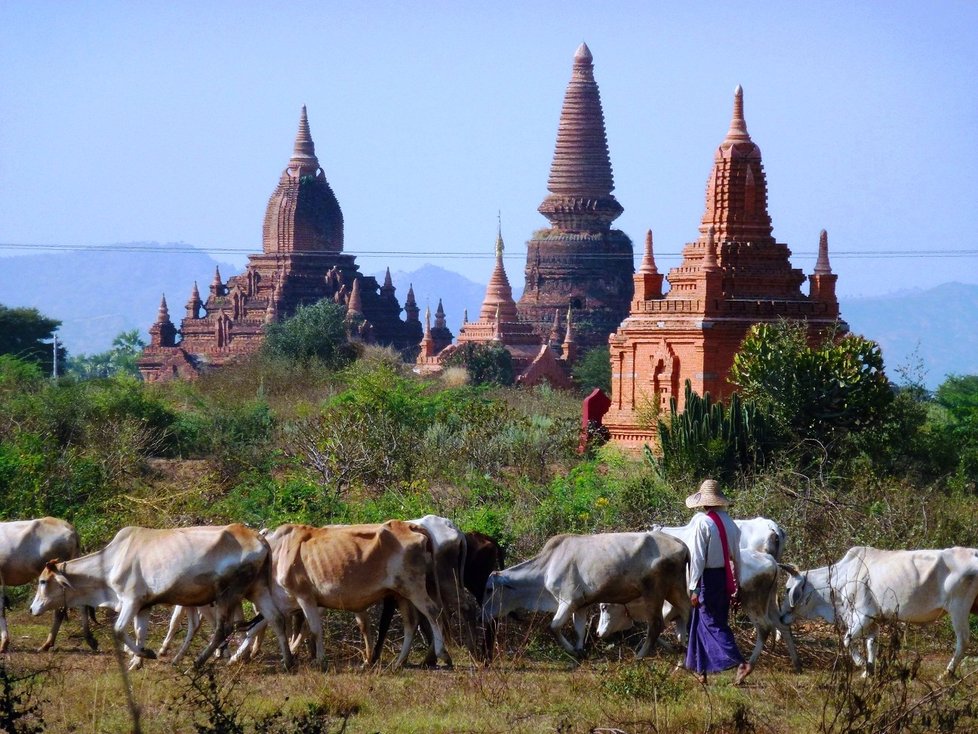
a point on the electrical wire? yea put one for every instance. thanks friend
(189, 249)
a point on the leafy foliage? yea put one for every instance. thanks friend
(487, 364)
(121, 359)
(818, 393)
(594, 370)
(25, 333)
(315, 332)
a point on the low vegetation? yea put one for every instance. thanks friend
(821, 440)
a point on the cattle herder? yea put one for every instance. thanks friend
(714, 576)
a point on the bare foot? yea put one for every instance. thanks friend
(701, 678)
(743, 670)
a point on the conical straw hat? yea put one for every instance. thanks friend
(709, 495)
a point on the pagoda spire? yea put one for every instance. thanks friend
(736, 191)
(440, 316)
(217, 285)
(194, 303)
(411, 310)
(354, 307)
(648, 259)
(555, 328)
(303, 161)
(648, 279)
(822, 266)
(738, 125)
(163, 333)
(163, 315)
(581, 179)
(570, 349)
(499, 301)
(822, 281)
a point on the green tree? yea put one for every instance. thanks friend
(594, 370)
(315, 332)
(958, 394)
(26, 334)
(823, 392)
(486, 363)
(958, 432)
(121, 359)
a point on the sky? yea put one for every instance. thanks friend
(172, 122)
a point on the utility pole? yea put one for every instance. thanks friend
(54, 372)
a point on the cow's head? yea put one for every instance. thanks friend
(803, 599)
(613, 618)
(497, 596)
(52, 589)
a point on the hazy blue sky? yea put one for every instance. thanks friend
(173, 121)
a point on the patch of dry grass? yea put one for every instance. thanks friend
(531, 687)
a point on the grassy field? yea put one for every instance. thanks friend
(531, 687)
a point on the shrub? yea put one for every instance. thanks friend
(486, 364)
(594, 370)
(316, 332)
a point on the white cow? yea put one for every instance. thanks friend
(869, 586)
(193, 615)
(758, 599)
(572, 572)
(25, 546)
(764, 535)
(142, 567)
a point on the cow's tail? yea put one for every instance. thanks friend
(432, 586)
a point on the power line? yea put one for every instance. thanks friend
(415, 254)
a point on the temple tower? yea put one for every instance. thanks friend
(733, 275)
(579, 260)
(301, 262)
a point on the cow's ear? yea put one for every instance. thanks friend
(790, 569)
(52, 565)
(794, 593)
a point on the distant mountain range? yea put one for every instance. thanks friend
(932, 328)
(97, 295)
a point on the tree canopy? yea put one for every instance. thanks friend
(121, 359)
(315, 332)
(486, 363)
(594, 370)
(818, 392)
(26, 334)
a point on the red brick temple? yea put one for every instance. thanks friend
(302, 261)
(734, 275)
(535, 359)
(579, 261)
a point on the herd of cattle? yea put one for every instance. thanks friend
(432, 572)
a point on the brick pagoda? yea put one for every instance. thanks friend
(579, 261)
(534, 359)
(734, 275)
(302, 261)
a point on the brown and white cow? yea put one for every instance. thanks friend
(25, 546)
(572, 572)
(353, 567)
(143, 567)
(450, 559)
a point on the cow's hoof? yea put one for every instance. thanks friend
(147, 653)
(92, 643)
(43, 648)
(4, 646)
